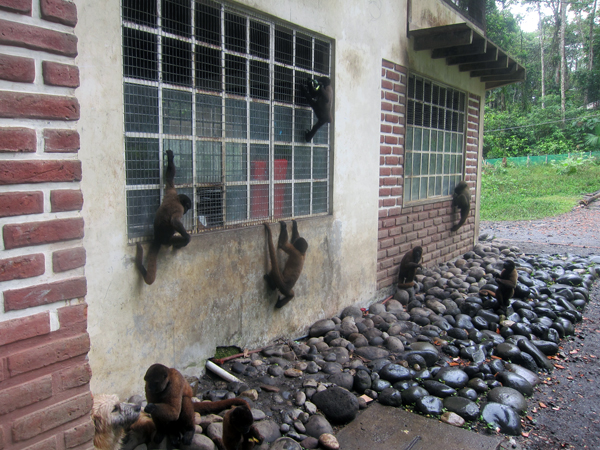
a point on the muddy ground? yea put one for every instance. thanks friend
(565, 409)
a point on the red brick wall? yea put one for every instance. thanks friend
(428, 225)
(45, 398)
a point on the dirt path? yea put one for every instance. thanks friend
(565, 409)
(576, 232)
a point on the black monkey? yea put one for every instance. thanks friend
(319, 95)
(408, 267)
(167, 221)
(507, 282)
(285, 281)
(462, 201)
(239, 431)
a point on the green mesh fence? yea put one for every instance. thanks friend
(543, 159)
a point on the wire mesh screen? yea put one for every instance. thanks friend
(435, 139)
(222, 88)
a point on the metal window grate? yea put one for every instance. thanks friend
(435, 139)
(222, 88)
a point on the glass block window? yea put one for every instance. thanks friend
(435, 139)
(221, 87)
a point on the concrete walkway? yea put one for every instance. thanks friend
(386, 428)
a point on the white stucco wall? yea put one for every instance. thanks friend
(211, 293)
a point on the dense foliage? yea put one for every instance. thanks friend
(518, 120)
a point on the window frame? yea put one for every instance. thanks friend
(456, 158)
(297, 195)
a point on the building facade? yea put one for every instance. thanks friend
(94, 94)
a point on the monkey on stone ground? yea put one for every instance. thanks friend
(239, 432)
(296, 249)
(167, 221)
(408, 267)
(507, 282)
(319, 95)
(462, 201)
(170, 404)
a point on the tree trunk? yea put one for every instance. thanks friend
(590, 54)
(563, 60)
(542, 57)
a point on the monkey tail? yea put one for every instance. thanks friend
(215, 407)
(149, 274)
(463, 219)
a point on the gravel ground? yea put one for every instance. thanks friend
(566, 407)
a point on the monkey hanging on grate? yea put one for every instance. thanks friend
(319, 95)
(167, 222)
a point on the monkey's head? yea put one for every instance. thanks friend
(185, 202)
(241, 419)
(169, 154)
(509, 266)
(301, 245)
(417, 253)
(324, 81)
(156, 378)
(460, 187)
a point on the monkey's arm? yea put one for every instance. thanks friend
(179, 241)
(170, 173)
(511, 282)
(170, 408)
(295, 234)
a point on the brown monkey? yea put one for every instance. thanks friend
(507, 282)
(285, 281)
(170, 404)
(462, 201)
(239, 432)
(167, 221)
(319, 95)
(408, 267)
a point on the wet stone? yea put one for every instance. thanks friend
(509, 397)
(339, 405)
(412, 394)
(517, 382)
(503, 417)
(372, 352)
(317, 425)
(379, 385)
(395, 372)
(390, 397)
(462, 406)
(430, 405)
(438, 389)
(453, 377)
(507, 351)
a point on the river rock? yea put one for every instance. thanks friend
(464, 407)
(321, 328)
(503, 417)
(339, 405)
(430, 405)
(317, 425)
(509, 397)
(453, 377)
(390, 397)
(372, 353)
(517, 382)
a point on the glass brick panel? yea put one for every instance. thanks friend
(141, 161)
(208, 162)
(141, 208)
(182, 157)
(302, 161)
(209, 116)
(177, 112)
(141, 108)
(236, 162)
(236, 201)
(235, 118)
(259, 121)
(301, 199)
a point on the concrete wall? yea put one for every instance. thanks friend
(211, 293)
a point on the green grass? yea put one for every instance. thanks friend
(535, 192)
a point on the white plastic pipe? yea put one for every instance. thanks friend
(221, 372)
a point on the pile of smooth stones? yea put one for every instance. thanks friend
(438, 349)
